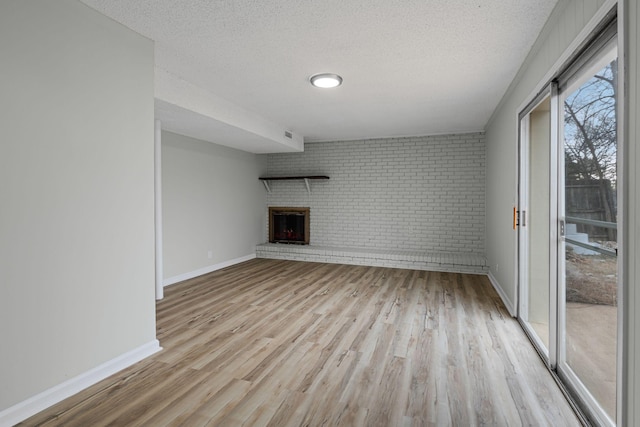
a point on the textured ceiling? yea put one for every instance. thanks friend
(410, 67)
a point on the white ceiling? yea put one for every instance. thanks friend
(410, 67)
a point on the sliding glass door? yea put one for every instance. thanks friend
(537, 277)
(567, 219)
(588, 208)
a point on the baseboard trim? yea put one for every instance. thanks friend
(205, 270)
(507, 302)
(467, 263)
(41, 401)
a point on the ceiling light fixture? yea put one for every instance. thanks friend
(325, 80)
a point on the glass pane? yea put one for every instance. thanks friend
(537, 222)
(590, 146)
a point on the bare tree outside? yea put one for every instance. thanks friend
(591, 146)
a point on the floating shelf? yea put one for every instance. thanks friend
(265, 180)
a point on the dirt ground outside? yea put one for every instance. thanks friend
(591, 279)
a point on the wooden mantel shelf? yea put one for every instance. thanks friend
(265, 180)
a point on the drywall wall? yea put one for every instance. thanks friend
(415, 194)
(213, 204)
(564, 25)
(76, 185)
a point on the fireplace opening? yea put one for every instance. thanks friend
(289, 225)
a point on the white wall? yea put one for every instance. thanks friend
(563, 26)
(212, 202)
(420, 193)
(76, 191)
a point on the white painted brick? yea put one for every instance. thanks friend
(423, 194)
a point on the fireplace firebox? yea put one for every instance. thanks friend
(289, 225)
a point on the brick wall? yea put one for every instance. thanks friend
(417, 193)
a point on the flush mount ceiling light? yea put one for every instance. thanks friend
(325, 80)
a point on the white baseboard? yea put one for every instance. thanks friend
(205, 270)
(507, 302)
(41, 401)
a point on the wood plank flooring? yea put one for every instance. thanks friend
(284, 343)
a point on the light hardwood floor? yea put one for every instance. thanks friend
(283, 343)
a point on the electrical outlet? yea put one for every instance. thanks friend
(210, 254)
(497, 268)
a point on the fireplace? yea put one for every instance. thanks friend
(289, 225)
